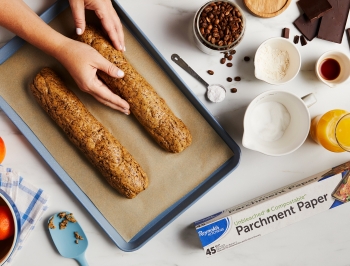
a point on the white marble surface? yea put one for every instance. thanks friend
(319, 240)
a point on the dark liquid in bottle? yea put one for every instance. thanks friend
(330, 69)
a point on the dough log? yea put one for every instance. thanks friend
(101, 148)
(145, 104)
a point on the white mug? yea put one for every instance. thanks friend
(296, 113)
(344, 71)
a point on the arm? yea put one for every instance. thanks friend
(20, 19)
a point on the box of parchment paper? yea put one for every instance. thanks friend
(274, 210)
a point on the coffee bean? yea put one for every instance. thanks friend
(229, 64)
(246, 58)
(230, 57)
(210, 72)
(222, 60)
(237, 78)
(229, 79)
(233, 90)
(232, 51)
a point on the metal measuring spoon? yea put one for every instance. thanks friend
(215, 92)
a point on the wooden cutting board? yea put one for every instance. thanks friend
(267, 8)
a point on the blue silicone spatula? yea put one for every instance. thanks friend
(71, 242)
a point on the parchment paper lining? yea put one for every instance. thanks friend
(171, 176)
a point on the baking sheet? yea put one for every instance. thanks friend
(176, 180)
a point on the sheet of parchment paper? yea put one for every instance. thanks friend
(171, 176)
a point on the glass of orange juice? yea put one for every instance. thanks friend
(332, 130)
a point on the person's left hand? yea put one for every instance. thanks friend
(106, 13)
(82, 62)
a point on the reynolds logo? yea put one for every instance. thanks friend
(216, 229)
(212, 232)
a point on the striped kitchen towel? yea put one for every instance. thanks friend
(30, 201)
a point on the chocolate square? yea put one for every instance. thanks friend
(285, 33)
(307, 27)
(333, 22)
(302, 40)
(296, 39)
(314, 9)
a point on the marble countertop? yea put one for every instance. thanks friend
(319, 240)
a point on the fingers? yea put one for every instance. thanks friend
(106, 13)
(101, 92)
(108, 98)
(112, 25)
(114, 29)
(78, 11)
(109, 68)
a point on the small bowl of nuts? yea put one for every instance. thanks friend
(218, 27)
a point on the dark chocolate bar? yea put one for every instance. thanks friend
(314, 9)
(307, 27)
(333, 22)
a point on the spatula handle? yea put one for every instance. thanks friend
(82, 260)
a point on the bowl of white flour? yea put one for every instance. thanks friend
(277, 61)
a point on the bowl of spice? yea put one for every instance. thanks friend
(218, 27)
(277, 61)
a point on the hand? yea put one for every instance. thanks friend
(82, 62)
(106, 13)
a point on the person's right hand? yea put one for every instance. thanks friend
(82, 62)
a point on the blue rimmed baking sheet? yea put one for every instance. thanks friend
(164, 218)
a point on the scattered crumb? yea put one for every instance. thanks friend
(50, 224)
(61, 215)
(63, 224)
(77, 236)
(71, 218)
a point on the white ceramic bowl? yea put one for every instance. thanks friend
(294, 135)
(281, 44)
(344, 63)
(8, 245)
